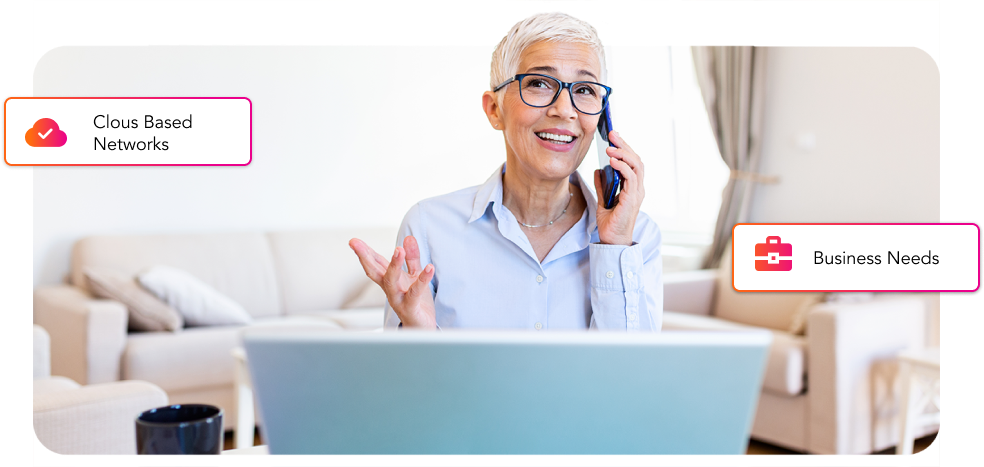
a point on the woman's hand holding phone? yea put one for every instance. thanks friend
(615, 226)
(408, 292)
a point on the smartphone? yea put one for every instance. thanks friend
(611, 180)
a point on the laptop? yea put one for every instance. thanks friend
(506, 392)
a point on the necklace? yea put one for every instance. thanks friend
(571, 196)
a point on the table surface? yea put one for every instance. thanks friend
(260, 450)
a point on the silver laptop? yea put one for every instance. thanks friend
(481, 392)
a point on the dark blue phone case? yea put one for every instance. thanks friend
(611, 180)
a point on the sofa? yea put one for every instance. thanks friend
(832, 390)
(294, 278)
(93, 419)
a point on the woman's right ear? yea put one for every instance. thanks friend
(491, 107)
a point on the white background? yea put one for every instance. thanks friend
(219, 133)
(955, 246)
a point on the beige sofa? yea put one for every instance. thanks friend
(833, 390)
(280, 278)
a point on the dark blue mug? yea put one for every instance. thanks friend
(180, 429)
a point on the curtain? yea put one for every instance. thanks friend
(732, 83)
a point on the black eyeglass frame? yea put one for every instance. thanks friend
(563, 85)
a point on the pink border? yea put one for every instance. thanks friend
(128, 165)
(856, 223)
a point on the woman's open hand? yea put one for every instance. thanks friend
(408, 291)
(615, 226)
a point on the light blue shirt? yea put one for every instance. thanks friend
(488, 276)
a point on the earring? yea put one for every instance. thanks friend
(495, 125)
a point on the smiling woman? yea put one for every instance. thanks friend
(532, 247)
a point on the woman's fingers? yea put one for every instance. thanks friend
(627, 173)
(392, 278)
(616, 138)
(623, 167)
(371, 261)
(631, 158)
(419, 287)
(626, 153)
(413, 255)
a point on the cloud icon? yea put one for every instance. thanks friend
(45, 134)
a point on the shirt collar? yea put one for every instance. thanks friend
(491, 192)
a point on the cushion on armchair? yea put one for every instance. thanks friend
(773, 310)
(785, 369)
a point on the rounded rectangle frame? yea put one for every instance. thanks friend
(127, 165)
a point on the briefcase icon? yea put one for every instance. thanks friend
(773, 255)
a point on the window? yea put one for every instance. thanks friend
(657, 106)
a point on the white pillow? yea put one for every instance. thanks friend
(198, 302)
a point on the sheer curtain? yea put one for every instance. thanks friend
(732, 83)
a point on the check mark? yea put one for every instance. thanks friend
(46, 134)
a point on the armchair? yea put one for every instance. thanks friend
(833, 390)
(92, 419)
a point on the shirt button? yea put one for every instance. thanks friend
(629, 274)
(538, 326)
(609, 274)
(538, 280)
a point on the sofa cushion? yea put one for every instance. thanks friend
(785, 371)
(239, 265)
(199, 303)
(317, 269)
(773, 310)
(197, 357)
(145, 311)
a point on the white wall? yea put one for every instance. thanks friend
(875, 117)
(874, 114)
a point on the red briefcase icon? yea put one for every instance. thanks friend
(773, 255)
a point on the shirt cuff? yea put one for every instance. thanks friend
(615, 267)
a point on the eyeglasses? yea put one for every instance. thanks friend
(542, 91)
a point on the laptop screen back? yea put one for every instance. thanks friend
(466, 392)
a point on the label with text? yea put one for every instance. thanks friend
(856, 257)
(40, 131)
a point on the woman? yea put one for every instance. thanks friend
(532, 247)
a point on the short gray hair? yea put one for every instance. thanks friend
(558, 27)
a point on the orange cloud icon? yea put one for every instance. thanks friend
(45, 134)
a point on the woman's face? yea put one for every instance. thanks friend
(532, 133)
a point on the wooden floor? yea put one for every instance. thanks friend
(758, 447)
(754, 447)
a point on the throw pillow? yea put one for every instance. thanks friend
(145, 311)
(199, 303)
(798, 326)
(773, 310)
(371, 296)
